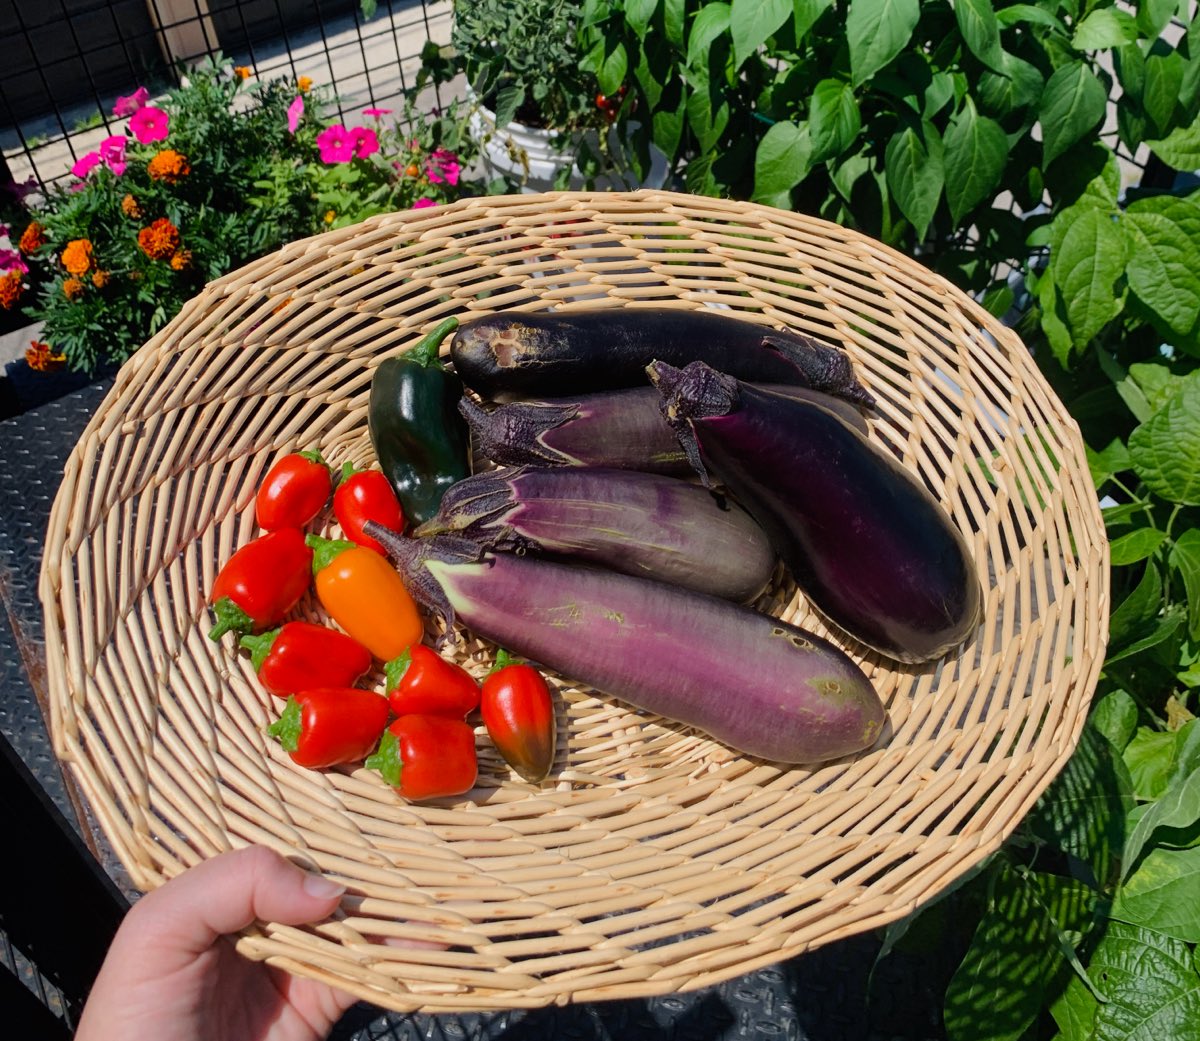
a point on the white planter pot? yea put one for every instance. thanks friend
(532, 156)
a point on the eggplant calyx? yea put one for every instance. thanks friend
(697, 391)
(513, 434)
(410, 557)
(824, 368)
(472, 506)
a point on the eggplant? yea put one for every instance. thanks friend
(622, 429)
(754, 682)
(636, 523)
(866, 542)
(525, 354)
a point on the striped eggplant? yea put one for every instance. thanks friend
(622, 429)
(636, 523)
(523, 354)
(754, 682)
(865, 541)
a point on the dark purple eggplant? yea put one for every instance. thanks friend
(636, 523)
(752, 681)
(621, 429)
(864, 540)
(524, 354)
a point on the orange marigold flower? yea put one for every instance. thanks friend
(33, 237)
(41, 357)
(181, 259)
(100, 279)
(77, 257)
(243, 72)
(304, 84)
(72, 288)
(160, 240)
(11, 288)
(168, 166)
(130, 207)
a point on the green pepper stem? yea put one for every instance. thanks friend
(387, 759)
(503, 661)
(230, 618)
(325, 550)
(288, 726)
(348, 471)
(313, 456)
(259, 646)
(395, 669)
(425, 353)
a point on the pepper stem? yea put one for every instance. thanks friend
(348, 471)
(230, 618)
(503, 661)
(259, 646)
(387, 759)
(325, 550)
(286, 729)
(394, 670)
(313, 456)
(425, 353)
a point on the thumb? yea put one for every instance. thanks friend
(226, 894)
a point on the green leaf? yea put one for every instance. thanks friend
(710, 23)
(1185, 559)
(613, 70)
(1016, 14)
(1177, 807)
(1153, 15)
(638, 14)
(1017, 87)
(806, 13)
(1156, 383)
(1151, 758)
(833, 120)
(1109, 462)
(707, 124)
(877, 31)
(1183, 212)
(1083, 811)
(1115, 716)
(782, 160)
(1166, 448)
(1157, 631)
(674, 15)
(976, 153)
(915, 174)
(1074, 1012)
(1160, 91)
(1104, 28)
(667, 125)
(847, 172)
(1086, 266)
(1072, 105)
(979, 28)
(753, 22)
(1137, 545)
(1180, 148)
(1151, 984)
(1164, 269)
(1138, 610)
(1164, 894)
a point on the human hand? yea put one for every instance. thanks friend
(172, 974)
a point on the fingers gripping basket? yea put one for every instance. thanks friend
(654, 859)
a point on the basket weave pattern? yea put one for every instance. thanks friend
(653, 859)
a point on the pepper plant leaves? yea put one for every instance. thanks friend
(1153, 15)
(1104, 28)
(1165, 449)
(1177, 807)
(1180, 148)
(710, 23)
(782, 160)
(753, 22)
(833, 119)
(1115, 716)
(1137, 545)
(674, 13)
(1151, 758)
(1160, 91)
(1163, 894)
(1018, 86)
(877, 31)
(977, 23)
(1071, 105)
(1086, 267)
(1185, 559)
(806, 13)
(1164, 269)
(638, 14)
(976, 152)
(915, 174)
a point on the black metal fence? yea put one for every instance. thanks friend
(66, 61)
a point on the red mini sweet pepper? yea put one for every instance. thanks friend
(518, 711)
(261, 582)
(427, 757)
(421, 682)
(366, 495)
(302, 655)
(293, 491)
(327, 726)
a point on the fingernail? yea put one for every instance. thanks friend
(321, 888)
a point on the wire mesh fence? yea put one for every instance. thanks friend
(66, 61)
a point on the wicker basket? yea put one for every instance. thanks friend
(654, 859)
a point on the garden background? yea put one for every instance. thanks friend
(1042, 156)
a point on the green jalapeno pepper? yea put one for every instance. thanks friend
(421, 441)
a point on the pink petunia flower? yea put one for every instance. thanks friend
(335, 144)
(127, 106)
(112, 152)
(295, 112)
(442, 167)
(421, 203)
(149, 124)
(365, 142)
(85, 164)
(376, 113)
(11, 260)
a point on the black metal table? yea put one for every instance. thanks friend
(826, 995)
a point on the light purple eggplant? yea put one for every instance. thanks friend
(636, 523)
(621, 429)
(754, 682)
(863, 538)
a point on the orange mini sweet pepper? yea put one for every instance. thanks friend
(365, 596)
